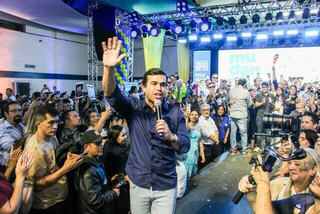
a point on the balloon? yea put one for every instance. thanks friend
(116, 27)
(122, 82)
(117, 74)
(127, 54)
(123, 50)
(122, 66)
(119, 78)
(120, 30)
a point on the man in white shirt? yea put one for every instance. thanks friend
(10, 95)
(209, 134)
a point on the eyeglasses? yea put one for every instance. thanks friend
(16, 110)
(214, 77)
(211, 86)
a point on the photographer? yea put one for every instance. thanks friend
(304, 203)
(302, 172)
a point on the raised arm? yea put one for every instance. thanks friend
(111, 59)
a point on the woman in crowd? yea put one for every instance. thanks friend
(92, 119)
(308, 138)
(291, 101)
(114, 159)
(11, 198)
(223, 124)
(190, 160)
(279, 101)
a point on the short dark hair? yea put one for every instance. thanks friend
(5, 108)
(242, 81)
(152, 72)
(265, 84)
(64, 101)
(311, 136)
(65, 116)
(314, 116)
(9, 89)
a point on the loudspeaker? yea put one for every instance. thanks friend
(103, 26)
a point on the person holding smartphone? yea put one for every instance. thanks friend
(115, 158)
(91, 183)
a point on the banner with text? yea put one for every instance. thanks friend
(201, 65)
(289, 62)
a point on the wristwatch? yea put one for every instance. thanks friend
(174, 138)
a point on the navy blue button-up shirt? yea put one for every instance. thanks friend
(152, 160)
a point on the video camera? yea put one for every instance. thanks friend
(281, 126)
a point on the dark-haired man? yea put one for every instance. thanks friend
(10, 96)
(151, 165)
(309, 121)
(239, 99)
(12, 129)
(49, 180)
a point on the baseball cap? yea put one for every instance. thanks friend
(90, 137)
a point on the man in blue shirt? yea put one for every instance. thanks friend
(154, 143)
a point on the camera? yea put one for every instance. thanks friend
(283, 123)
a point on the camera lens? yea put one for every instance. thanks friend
(276, 121)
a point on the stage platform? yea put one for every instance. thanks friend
(212, 190)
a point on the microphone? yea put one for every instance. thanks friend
(157, 103)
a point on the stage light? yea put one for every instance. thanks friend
(154, 31)
(286, 13)
(231, 38)
(182, 6)
(255, 18)
(279, 17)
(193, 37)
(217, 36)
(205, 39)
(133, 17)
(278, 33)
(246, 34)
(204, 25)
(299, 12)
(306, 13)
(311, 33)
(144, 28)
(314, 10)
(262, 36)
(134, 33)
(292, 15)
(232, 21)
(244, 1)
(177, 28)
(268, 17)
(182, 40)
(292, 32)
(219, 21)
(243, 20)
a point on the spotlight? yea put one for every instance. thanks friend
(278, 33)
(144, 28)
(292, 32)
(279, 17)
(314, 10)
(246, 34)
(219, 21)
(182, 40)
(167, 27)
(231, 38)
(217, 36)
(306, 13)
(193, 24)
(193, 37)
(205, 25)
(268, 17)
(134, 33)
(154, 31)
(244, 1)
(205, 39)
(243, 20)
(177, 28)
(133, 17)
(262, 36)
(232, 21)
(292, 15)
(299, 12)
(182, 6)
(311, 33)
(255, 19)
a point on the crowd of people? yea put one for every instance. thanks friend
(113, 154)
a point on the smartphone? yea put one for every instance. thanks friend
(120, 179)
(188, 107)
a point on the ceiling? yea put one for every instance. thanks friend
(70, 15)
